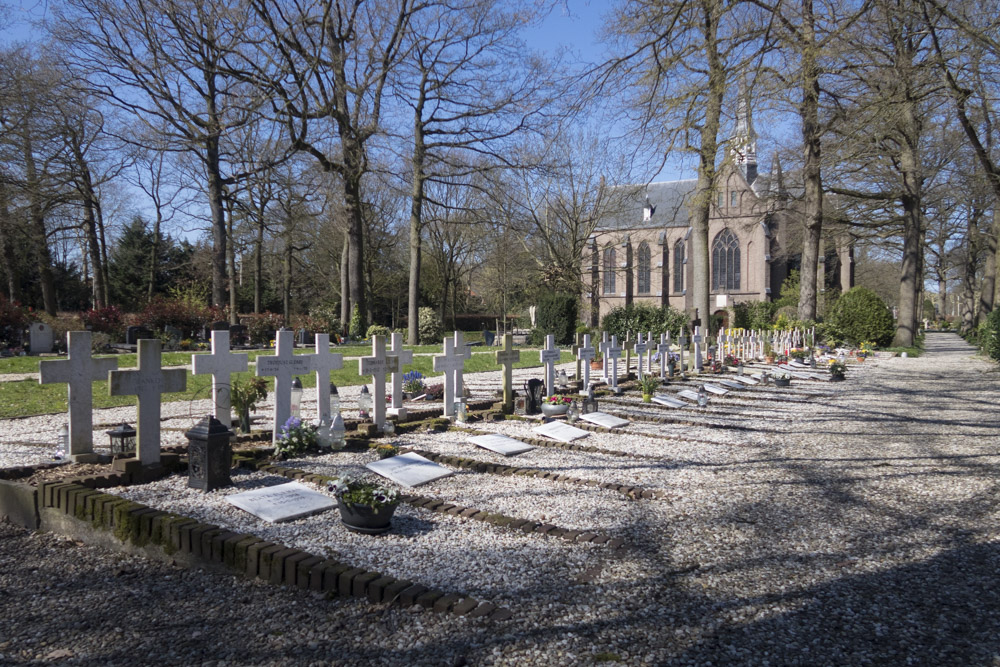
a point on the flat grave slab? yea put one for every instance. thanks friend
(501, 444)
(604, 419)
(284, 502)
(715, 389)
(560, 431)
(688, 394)
(409, 469)
(729, 384)
(745, 379)
(668, 401)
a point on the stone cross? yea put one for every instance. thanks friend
(378, 366)
(282, 365)
(649, 356)
(577, 342)
(147, 383)
(603, 347)
(79, 371)
(663, 349)
(452, 364)
(641, 348)
(550, 357)
(627, 345)
(507, 357)
(221, 364)
(613, 352)
(682, 342)
(585, 353)
(405, 357)
(696, 339)
(322, 363)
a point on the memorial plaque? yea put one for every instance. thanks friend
(409, 469)
(501, 444)
(284, 502)
(688, 394)
(745, 379)
(729, 384)
(560, 431)
(604, 419)
(715, 389)
(668, 401)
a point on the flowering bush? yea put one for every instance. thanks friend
(386, 450)
(867, 347)
(261, 327)
(837, 368)
(558, 399)
(295, 438)
(731, 360)
(798, 353)
(359, 492)
(109, 320)
(413, 382)
(187, 315)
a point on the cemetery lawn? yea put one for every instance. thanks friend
(26, 398)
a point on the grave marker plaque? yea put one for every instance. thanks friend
(560, 431)
(409, 469)
(284, 502)
(501, 444)
(604, 419)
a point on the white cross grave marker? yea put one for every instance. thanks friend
(696, 339)
(79, 371)
(603, 347)
(322, 363)
(682, 342)
(282, 365)
(452, 364)
(405, 357)
(613, 352)
(663, 349)
(221, 364)
(550, 357)
(649, 355)
(507, 358)
(378, 366)
(147, 383)
(641, 347)
(585, 354)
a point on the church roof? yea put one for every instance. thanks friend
(668, 200)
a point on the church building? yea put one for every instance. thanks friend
(640, 249)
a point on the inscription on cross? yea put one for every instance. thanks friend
(696, 339)
(378, 366)
(282, 365)
(550, 357)
(614, 353)
(147, 383)
(585, 354)
(451, 363)
(404, 357)
(220, 364)
(507, 358)
(663, 349)
(641, 347)
(79, 371)
(322, 363)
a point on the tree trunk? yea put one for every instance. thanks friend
(215, 201)
(987, 291)
(286, 281)
(909, 277)
(231, 265)
(813, 220)
(355, 226)
(7, 249)
(43, 257)
(416, 223)
(345, 283)
(258, 262)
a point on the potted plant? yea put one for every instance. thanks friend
(556, 404)
(798, 354)
(295, 438)
(365, 507)
(648, 384)
(837, 370)
(768, 353)
(597, 363)
(413, 384)
(782, 378)
(244, 395)
(867, 347)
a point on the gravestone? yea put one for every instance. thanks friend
(409, 469)
(603, 347)
(284, 502)
(613, 352)
(489, 337)
(403, 358)
(641, 348)
(688, 394)
(220, 364)
(715, 389)
(585, 353)
(238, 334)
(507, 357)
(134, 334)
(79, 371)
(560, 431)
(682, 342)
(282, 366)
(452, 364)
(550, 357)
(663, 349)
(147, 383)
(322, 362)
(501, 444)
(729, 384)
(378, 366)
(697, 340)
(40, 338)
(668, 401)
(305, 338)
(173, 333)
(604, 419)
(745, 380)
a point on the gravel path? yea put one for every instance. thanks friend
(858, 528)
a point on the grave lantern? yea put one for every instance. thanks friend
(459, 410)
(323, 433)
(334, 400)
(64, 439)
(389, 428)
(122, 440)
(702, 397)
(589, 403)
(337, 431)
(296, 403)
(562, 380)
(520, 405)
(364, 403)
(739, 369)
(210, 455)
(572, 413)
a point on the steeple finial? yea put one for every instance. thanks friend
(743, 144)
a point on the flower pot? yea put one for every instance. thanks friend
(647, 398)
(363, 519)
(769, 360)
(782, 382)
(245, 421)
(596, 365)
(837, 377)
(550, 410)
(861, 357)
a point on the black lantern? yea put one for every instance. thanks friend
(210, 455)
(122, 440)
(589, 403)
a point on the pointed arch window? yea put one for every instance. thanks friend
(643, 278)
(679, 266)
(609, 270)
(726, 262)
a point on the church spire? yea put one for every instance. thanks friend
(743, 144)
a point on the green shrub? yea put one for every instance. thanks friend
(789, 293)
(261, 327)
(537, 337)
(557, 316)
(429, 326)
(377, 330)
(359, 325)
(989, 335)
(860, 315)
(754, 315)
(640, 317)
